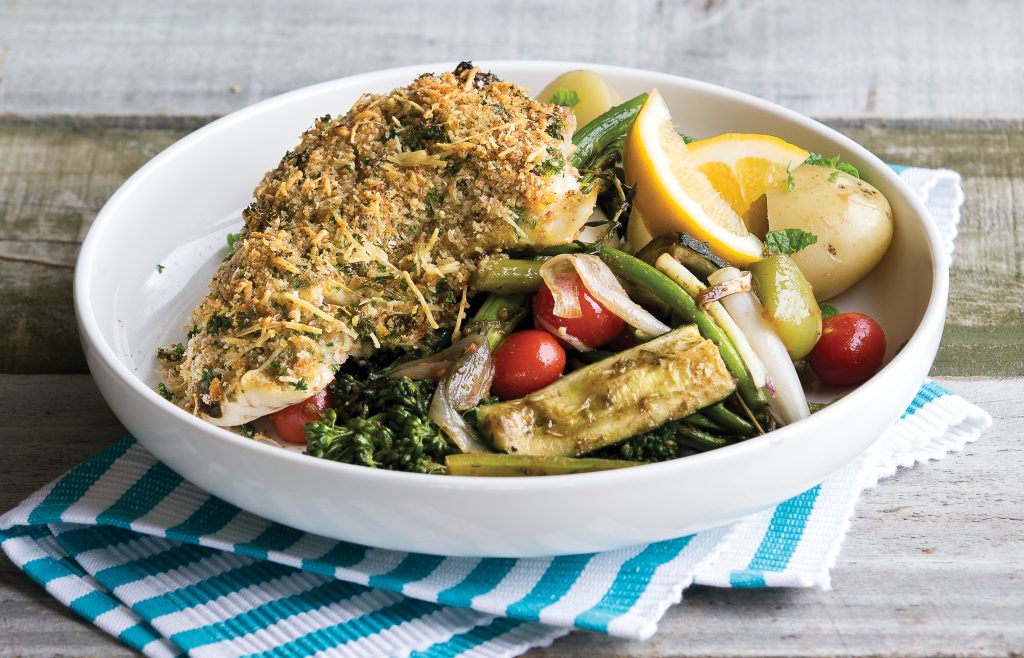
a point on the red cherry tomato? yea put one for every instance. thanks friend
(596, 327)
(850, 350)
(526, 361)
(290, 422)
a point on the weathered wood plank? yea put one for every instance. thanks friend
(828, 59)
(55, 175)
(931, 566)
(53, 180)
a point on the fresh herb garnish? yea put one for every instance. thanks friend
(790, 181)
(173, 353)
(555, 165)
(788, 240)
(207, 379)
(435, 197)
(232, 239)
(565, 97)
(300, 385)
(161, 388)
(427, 132)
(160, 268)
(247, 430)
(833, 176)
(555, 127)
(218, 323)
(828, 310)
(520, 214)
(834, 162)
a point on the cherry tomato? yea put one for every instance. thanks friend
(290, 422)
(596, 327)
(850, 350)
(526, 361)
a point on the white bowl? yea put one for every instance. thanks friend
(177, 209)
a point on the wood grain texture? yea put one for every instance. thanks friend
(56, 174)
(875, 58)
(931, 566)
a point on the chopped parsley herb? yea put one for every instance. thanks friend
(218, 323)
(160, 268)
(207, 379)
(565, 97)
(555, 127)
(172, 353)
(790, 181)
(834, 162)
(300, 385)
(687, 139)
(828, 310)
(500, 109)
(833, 176)
(162, 389)
(194, 331)
(555, 165)
(435, 197)
(427, 132)
(232, 239)
(521, 219)
(788, 240)
(247, 430)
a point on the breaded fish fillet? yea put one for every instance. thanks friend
(366, 234)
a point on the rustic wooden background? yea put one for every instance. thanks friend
(89, 91)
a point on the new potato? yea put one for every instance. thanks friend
(851, 218)
(596, 97)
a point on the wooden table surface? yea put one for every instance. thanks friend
(932, 566)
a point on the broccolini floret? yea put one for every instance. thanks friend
(657, 445)
(381, 424)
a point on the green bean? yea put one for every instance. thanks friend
(700, 421)
(600, 133)
(504, 465)
(508, 275)
(728, 420)
(640, 273)
(699, 440)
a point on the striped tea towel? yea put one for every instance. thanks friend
(126, 543)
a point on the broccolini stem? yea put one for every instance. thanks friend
(699, 439)
(700, 421)
(729, 420)
(498, 315)
(641, 274)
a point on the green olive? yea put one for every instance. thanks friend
(788, 301)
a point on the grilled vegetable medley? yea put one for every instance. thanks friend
(454, 278)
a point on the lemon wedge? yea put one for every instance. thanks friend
(673, 194)
(742, 166)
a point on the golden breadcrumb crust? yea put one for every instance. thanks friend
(366, 234)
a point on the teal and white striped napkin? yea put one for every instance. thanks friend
(170, 570)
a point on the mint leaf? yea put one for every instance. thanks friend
(828, 310)
(565, 97)
(232, 239)
(834, 162)
(788, 241)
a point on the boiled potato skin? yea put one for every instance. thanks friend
(852, 220)
(596, 97)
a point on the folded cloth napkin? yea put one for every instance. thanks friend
(169, 570)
